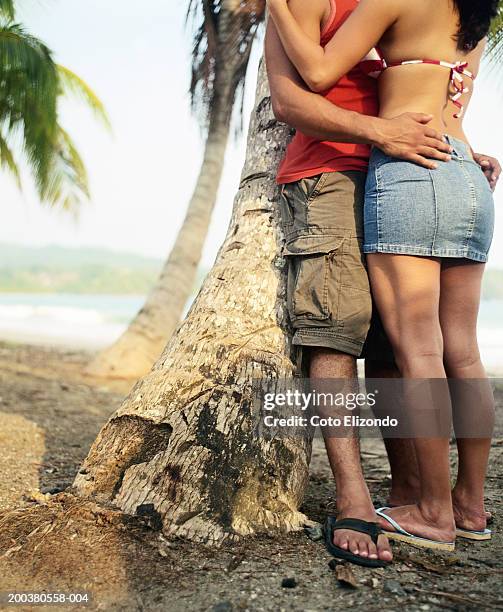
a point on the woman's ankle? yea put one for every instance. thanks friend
(437, 513)
(467, 497)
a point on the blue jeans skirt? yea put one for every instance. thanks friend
(410, 210)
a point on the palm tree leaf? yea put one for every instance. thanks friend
(7, 160)
(495, 42)
(7, 8)
(223, 34)
(28, 95)
(68, 184)
(30, 86)
(71, 83)
(22, 51)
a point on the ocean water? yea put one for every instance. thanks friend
(75, 321)
(94, 321)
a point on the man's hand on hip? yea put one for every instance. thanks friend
(408, 137)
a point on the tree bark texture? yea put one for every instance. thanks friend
(134, 353)
(181, 447)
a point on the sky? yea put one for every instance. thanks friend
(136, 56)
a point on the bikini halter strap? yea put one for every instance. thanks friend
(458, 71)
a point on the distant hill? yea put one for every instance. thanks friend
(54, 269)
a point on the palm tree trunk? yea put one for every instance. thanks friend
(133, 354)
(181, 447)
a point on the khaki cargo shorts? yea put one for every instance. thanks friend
(328, 291)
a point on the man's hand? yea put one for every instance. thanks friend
(490, 167)
(408, 137)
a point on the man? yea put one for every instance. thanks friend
(329, 301)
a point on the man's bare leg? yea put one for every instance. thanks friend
(353, 497)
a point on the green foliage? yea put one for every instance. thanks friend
(28, 97)
(52, 269)
(7, 9)
(67, 182)
(72, 84)
(56, 269)
(495, 45)
(30, 86)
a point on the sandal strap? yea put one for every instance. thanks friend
(352, 524)
(398, 528)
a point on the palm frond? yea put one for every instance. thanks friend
(495, 42)
(28, 95)
(223, 35)
(72, 84)
(19, 50)
(7, 160)
(68, 185)
(30, 86)
(7, 9)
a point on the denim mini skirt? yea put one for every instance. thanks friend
(410, 210)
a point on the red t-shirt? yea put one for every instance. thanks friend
(356, 91)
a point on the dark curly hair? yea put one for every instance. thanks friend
(474, 21)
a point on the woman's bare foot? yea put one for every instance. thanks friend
(469, 512)
(430, 523)
(359, 543)
(404, 493)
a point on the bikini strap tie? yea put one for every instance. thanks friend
(458, 71)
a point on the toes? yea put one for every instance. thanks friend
(384, 549)
(363, 548)
(384, 524)
(373, 551)
(341, 541)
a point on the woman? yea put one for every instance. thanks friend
(427, 233)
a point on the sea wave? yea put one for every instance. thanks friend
(57, 314)
(71, 321)
(88, 321)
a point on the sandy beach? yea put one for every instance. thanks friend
(50, 413)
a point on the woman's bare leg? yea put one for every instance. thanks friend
(407, 293)
(473, 402)
(400, 451)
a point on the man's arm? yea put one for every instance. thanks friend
(321, 67)
(407, 136)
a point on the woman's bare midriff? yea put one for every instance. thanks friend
(422, 89)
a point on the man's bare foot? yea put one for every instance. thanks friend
(425, 523)
(469, 513)
(359, 543)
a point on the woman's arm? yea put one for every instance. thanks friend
(322, 67)
(407, 136)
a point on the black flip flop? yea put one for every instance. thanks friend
(371, 529)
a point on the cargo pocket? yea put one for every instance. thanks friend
(313, 269)
(313, 185)
(285, 210)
